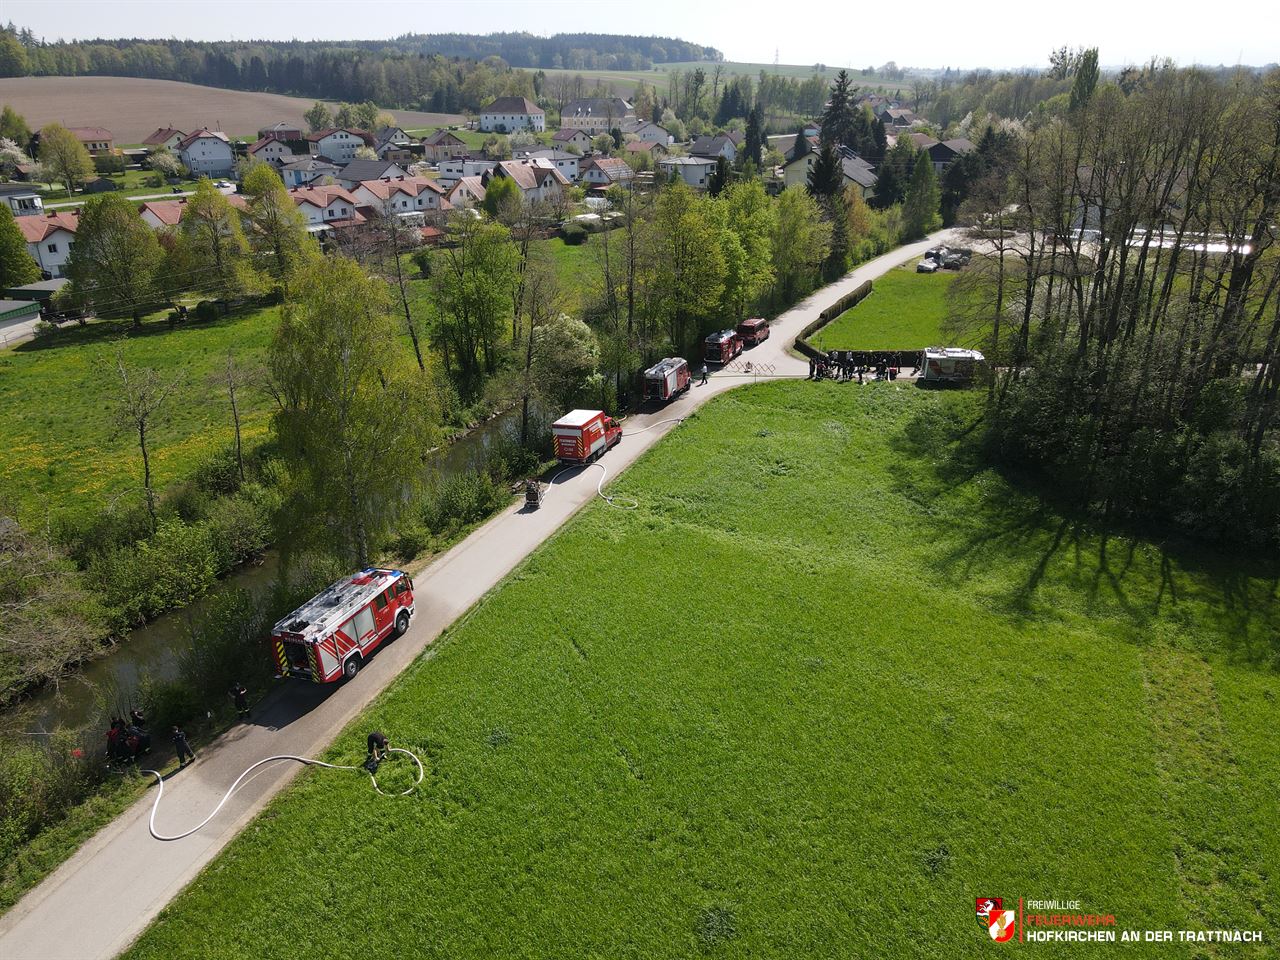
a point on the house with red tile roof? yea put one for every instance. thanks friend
(536, 181)
(327, 207)
(404, 196)
(606, 171)
(443, 145)
(207, 153)
(164, 138)
(49, 238)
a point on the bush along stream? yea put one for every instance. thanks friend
(198, 634)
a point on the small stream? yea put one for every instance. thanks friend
(155, 650)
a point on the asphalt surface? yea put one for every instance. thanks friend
(97, 902)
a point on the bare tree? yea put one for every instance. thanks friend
(142, 394)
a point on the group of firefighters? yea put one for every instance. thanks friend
(835, 366)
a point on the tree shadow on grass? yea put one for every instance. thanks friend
(105, 331)
(979, 520)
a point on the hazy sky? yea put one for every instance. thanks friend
(998, 33)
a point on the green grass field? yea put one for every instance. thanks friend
(827, 684)
(905, 311)
(624, 82)
(63, 448)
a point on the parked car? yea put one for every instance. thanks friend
(937, 254)
(223, 184)
(926, 266)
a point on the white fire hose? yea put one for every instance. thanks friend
(622, 503)
(151, 825)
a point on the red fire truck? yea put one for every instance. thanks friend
(722, 346)
(666, 378)
(754, 331)
(584, 435)
(329, 636)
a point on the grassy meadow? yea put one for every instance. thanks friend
(828, 683)
(64, 450)
(904, 311)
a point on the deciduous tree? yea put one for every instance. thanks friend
(64, 156)
(211, 229)
(17, 267)
(114, 260)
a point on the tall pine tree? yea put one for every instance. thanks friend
(920, 209)
(827, 172)
(753, 147)
(838, 117)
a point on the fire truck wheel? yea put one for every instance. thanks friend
(402, 623)
(351, 667)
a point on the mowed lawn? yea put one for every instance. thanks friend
(824, 687)
(64, 450)
(904, 311)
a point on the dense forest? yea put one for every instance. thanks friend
(447, 73)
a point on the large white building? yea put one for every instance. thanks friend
(596, 115)
(508, 114)
(340, 146)
(207, 153)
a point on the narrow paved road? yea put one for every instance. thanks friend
(97, 902)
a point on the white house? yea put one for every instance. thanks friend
(646, 131)
(207, 153)
(339, 145)
(713, 147)
(22, 200)
(455, 168)
(606, 171)
(596, 115)
(536, 182)
(405, 196)
(695, 171)
(856, 171)
(568, 137)
(49, 239)
(166, 214)
(507, 114)
(567, 163)
(466, 191)
(165, 138)
(271, 150)
(326, 207)
(358, 171)
(301, 172)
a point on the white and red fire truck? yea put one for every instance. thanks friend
(666, 378)
(583, 435)
(722, 346)
(329, 636)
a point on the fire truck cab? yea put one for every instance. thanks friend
(582, 436)
(328, 637)
(722, 346)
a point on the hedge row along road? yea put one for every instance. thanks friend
(97, 902)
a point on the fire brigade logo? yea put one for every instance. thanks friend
(1000, 923)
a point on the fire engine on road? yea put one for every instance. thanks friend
(722, 346)
(583, 436)
(329, 636)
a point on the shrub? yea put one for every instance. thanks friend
(422, 260)
(173, 567)
(574, 234)
(239, 527)
(219, 474)
(207, 311)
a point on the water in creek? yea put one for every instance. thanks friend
(155, 650)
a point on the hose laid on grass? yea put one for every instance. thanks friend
(155, 807)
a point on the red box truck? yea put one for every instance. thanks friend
(583, 435)
(666, 378)
(721, 347)
(753, 331)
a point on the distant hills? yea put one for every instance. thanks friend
(564, 51)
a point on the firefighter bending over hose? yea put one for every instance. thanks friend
(377, 750)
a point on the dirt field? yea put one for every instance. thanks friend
(132, 108)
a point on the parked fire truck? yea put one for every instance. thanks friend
(722, 346)
(666, 378)
(328, 637)
(582, 436)
(753, 332)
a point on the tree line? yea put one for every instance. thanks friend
(1133, 300)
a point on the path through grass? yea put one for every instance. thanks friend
(828, 683)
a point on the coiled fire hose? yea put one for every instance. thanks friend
(155, 807)
(622, 503)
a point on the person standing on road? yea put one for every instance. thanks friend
(241, 697)
(182, 747)
(703, 372)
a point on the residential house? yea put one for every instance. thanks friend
(567, 163)
(338, 145)
(49, 239)
(207, 153)
(467, 191)
(22, 200)
(606, 171)
(646, 131)
(567, 137)
(167, 214)
(536, 182)
(405, 196)
(695, 171)
(896, 117)
(443, 145)
(712, 147)
(948, 151)
(165, 138)
(453, 170)
(856, 171)
(652, 147)
(271, 150)
(97, 140)
(358, 171)
(307, 170)
(281, 130)
(508, 114)
(326, 208)
(596, 115)
(393, 144)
